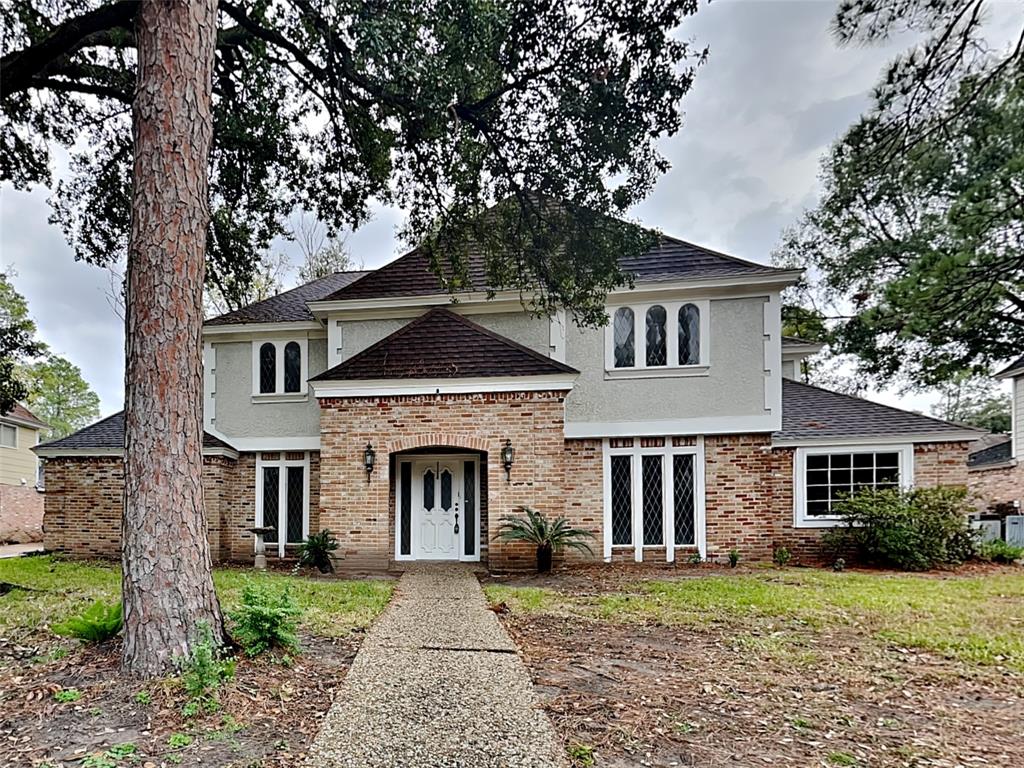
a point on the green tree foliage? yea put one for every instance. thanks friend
(17, 343)
(59, 395)
(917, 245)
(975, 401)
(440, 107)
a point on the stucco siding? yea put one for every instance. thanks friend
(17, 464)
(734, 384)
(522, 327)
(238, 416)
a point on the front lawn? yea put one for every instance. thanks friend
(64, 704)
(779, 666)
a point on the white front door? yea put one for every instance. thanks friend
(437, 501)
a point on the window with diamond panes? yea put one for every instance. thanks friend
(428, 489)
(657, 341)
(689, 335)
(292, 367)
(684, 524)
(830, 477)
(405, 479)
(652, 484)
(622, 500)
(294, 500)
(268, 368)
(271, 502)
(446, 489)
(469, 505)
(624, 336)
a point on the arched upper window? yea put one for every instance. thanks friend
(657, 340)
(624, 338)
(689, 335)
(268, 368)
(292, 367)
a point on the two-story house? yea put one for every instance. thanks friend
(996, 462)
(21, 502)
(408, 421)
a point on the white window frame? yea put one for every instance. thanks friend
(666, 451)
(13, 427)
(801, 519)
(282, 495)
(640, 369)
(279, 395)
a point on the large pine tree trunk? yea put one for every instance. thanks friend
(167, 574)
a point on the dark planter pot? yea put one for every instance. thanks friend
(544, 559)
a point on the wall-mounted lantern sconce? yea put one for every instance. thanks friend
(369, 457)
(508, 455)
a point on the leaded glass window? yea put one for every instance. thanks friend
(684, 524)
(405, 481)
(624, 337)
(657, 351)
(469, 506)
(622, 500)
(446, 489)
(654, 506)
(428, 489)
(294, 499)
(268, 368)
(271, 502)
(689, 335)
(292, 367)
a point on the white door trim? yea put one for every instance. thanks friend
(282, 498)
(413, 459)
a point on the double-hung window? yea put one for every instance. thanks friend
(8, 436)
(282, 498)
(657, 339)
(279, 369)
(654, 495)
(823, 476)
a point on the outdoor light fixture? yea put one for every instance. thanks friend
(369, 457)
(508, 454)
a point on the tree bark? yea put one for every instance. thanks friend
(167, 576)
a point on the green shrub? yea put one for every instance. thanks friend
(266, 619)
(999, 551)
(909, 530)
(204, 671)
(315, 551)
(734, 558)
(781, 556)
(67, 695)
(98, 623)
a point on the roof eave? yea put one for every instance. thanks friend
(43, 452)
(961, 436)
(360, 388)
(1011, 373)
(23, 422)
(262, 328)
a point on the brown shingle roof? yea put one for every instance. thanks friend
(289, 306)
(442, 345)
(810, 412)
(109, 433)
(21, 413)
(670, 259)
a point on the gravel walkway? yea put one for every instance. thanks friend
(437, 682)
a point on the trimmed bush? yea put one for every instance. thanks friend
(266, 619)
(98, 623)
(1000, 551)
(908, 530)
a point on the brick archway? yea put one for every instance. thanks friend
(438, 440)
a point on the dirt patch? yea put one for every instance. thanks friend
(270, 711)
(653, 695)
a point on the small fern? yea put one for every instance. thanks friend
(97, 624)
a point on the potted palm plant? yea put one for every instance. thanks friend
(548, 536)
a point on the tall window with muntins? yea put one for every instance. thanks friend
(624, 337)
(622, 500)
(654, 506)
(833, 476)
(684, 524)
(657, 342)
(294, 499)
(469, 507)
(292, 367)
(271, 506)
(268, 368)
(405, 475)
(689, 335)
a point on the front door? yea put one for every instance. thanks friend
(437, 502)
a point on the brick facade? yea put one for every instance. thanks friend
(21, 514)
(998, 486)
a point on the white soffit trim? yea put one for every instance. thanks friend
(274, 444)
(14, 420)
(932, 437)
(707, 425)
(392, 387)
(311, 328)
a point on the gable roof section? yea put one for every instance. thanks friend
(670, 259)
(22, 415)
(443, 345)
(108, 435)
(1016, 368)
(290, 306)
(992, 449)
(813, 414)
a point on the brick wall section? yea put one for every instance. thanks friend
(584, 494)
(1003, 485)
(739, 495)
(360, 512)
(21, 514)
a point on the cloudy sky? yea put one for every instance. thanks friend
(774, 94)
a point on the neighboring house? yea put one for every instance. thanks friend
(996, 462)
(21, 503)
(372, 404)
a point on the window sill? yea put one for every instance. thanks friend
(818, 522)
(289, 397)
(677, 372)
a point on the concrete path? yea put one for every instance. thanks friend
(17, 550)
(437, 682)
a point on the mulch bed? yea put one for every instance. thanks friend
(270, 711)
(652, 695)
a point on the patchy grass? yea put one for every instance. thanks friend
(58, 589)
(975, 619)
